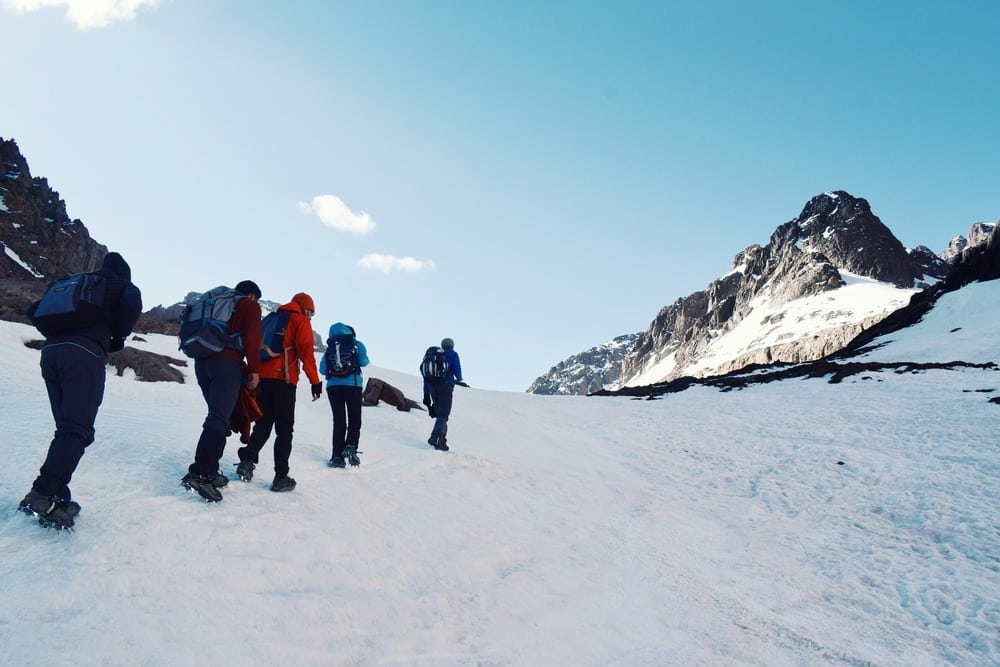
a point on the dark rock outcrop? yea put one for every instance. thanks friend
(587, 372)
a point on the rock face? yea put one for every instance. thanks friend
(821, 280)
(585, 373)
(979, 235)
(39, 240)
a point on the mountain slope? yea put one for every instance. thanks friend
(796, 522)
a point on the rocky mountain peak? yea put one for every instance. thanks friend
(40, 241)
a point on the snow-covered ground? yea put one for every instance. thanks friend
(794, 523)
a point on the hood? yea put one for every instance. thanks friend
(339, 329)
(117, 265)
(290, 306)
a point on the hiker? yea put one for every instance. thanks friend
(73, 365)
(220, 376)
(439, 386)
(345, 357)
(279, 379)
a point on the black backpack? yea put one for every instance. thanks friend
(71, 303)
(205, 323)
(342, 356)
(435, 367)
(272, 334)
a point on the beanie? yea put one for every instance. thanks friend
(447, 342)
(304, 301)
(248, 288)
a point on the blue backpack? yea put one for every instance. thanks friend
(272, 338)
(205, 323)
(71, 303)
(342, 356)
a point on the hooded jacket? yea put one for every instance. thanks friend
(122, 307)
(355, 380)
(298, 346)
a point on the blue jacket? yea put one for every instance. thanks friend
(355, 380)
(454, 368)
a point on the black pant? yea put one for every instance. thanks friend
(220, 380)
(346, 405)
(441, 398)
(74, 375)
(277, 402)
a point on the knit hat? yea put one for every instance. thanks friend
(447, 342)
(248, 288)
(305, 302)
(117, 265)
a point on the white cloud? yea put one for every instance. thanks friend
(333, 212)
(86, 14)
(388, 263)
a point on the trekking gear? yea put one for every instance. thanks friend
(351, 453)
(244, 470)
(337, 462)
(205, 323)
(203, 486)
(283, 483)
(74, 302)
(272, 330)
(342, 356)
(435, 367)
(219, 480)
(51, 512)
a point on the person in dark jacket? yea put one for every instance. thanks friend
(73, 365)
(344, 392)
(279, 379)
(220, 377)
(438, 396)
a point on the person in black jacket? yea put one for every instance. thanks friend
(73, 367)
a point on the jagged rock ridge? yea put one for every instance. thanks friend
(585, 373)
(823, 278)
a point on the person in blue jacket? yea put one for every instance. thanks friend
(341, 365)
(438, 396)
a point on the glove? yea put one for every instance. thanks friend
(431, 412)
(427, 400)
(116, 344)
(461, 383)
(317, 390)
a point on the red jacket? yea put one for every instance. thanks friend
(299, 346)
(246, 322)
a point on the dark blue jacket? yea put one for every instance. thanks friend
(122, 305)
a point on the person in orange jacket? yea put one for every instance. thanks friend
(279, 378)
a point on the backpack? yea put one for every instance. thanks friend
(205, 323)
(272, 334)
(435, 367)
(342, 356)
(71, 303)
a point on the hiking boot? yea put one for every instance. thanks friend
(50, 511)
(219, 480)
(352, 456)
(441, 445)
(203, 484)
(70, 507)
(244, 470)
(337, 462)
(283, 483)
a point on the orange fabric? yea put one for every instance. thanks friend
(299, 347)
(245, 413)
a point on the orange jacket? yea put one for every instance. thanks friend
(299, 346)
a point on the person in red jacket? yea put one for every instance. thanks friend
(220, 377)
(279, 378)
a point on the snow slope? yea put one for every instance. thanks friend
(793, 523)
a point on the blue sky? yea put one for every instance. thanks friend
(528, 178)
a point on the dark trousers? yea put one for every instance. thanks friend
(346, 405)
(277, 401)
(220, 380)
(441, 397)
(74, 378)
